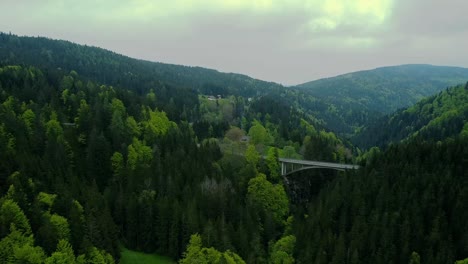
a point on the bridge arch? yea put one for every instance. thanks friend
(289, 166)
(309, 168)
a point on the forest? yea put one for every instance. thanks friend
(107, 152)
(434, 118)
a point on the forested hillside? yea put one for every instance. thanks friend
(344, 104)
(434, 118)
(411, 198)
(88, 166)
(176, 86)
(114, 69)
(176, 89)
(361, 97)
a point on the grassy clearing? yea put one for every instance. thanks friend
(134, 257)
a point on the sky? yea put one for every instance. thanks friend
(285, 41)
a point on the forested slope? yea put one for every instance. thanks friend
(433, 118)
(360, 97)
(114, 69)
(411, 198)
(177, 87)
(86, 166)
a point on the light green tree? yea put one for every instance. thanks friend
(117, 162)
(132, 127)
(95, 256)
(18, 247)
(155, 124)
(138, 155)
(11, 214)
(54, 130)
(63, 255)
(270, 197)
(415, 258)
(28, 118)
(252, 156)
(465, 261)
(272, 163)
(282, 251)
(196, 253)
(259, 135)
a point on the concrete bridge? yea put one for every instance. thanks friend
(289, 166)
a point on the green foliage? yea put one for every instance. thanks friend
(46, 199)
(133, 257)
(133, 127)
(96, 256)
(358, 98)
(60, 227)
(273, 165)
(7, 143)
(12, 215)
(259, 135)
(54, 130)
(63, 255)
(117, 161)
(400, 202)
(18, 247)
(156, 124)
(464, 132)
(269, 197)
(193, 249)
(465, 261)
(252, 156)
(234, 134)
(138, 155)
(196, 253)
(27, 254)
(53, 229)
(283, 250)
(437, 117)
(415, 258)
(29, 118)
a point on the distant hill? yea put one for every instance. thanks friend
(119, 70)
(434, 118)
(362, 96)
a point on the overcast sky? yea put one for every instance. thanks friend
(286, 41)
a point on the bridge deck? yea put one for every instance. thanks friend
(320, 164)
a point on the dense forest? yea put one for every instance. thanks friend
(434, 118)
(345, 104)
(94, 161)
(363, 96)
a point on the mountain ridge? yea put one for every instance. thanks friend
(41, 51)
(373, 69)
